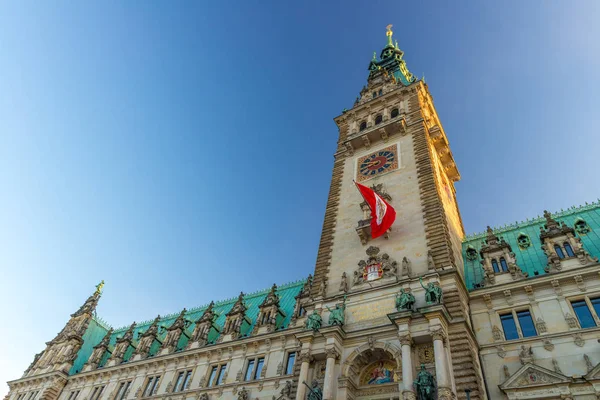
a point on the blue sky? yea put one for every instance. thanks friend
(182, 151)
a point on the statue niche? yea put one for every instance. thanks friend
(375, 267)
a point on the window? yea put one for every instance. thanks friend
(213, 373)
(254, 368)
(73, 395)
(302, 311)
(517, 324)
(97, 392)
(122, 392)
(183, 377)
(374, 94)
(503, 264)
(568, 250)
(495, 265)
(378, 119)
(395, 113)
(583, 313)
(509, 327)
(526, 322)
(559, 251)
(596, 304)
(380, 92)
(221, 375)
(363, 126)
(151, 386)
(289, 365)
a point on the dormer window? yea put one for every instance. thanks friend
(471, 254)
(503, 264)
(495, 265)
(581, 227)
(394, 113)
(378, 119)
(374, 94)
(523, 241)
(363, 126)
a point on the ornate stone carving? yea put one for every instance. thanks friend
(495, 248)
(556, 366)
(243, 394)
(406, 339)
(540, 325)
(488, 301)
(506, 373)
(526, 354)
(437, 333)
(122, 344)
(332, 353)
(508, 296)
(588, 363)
(571, 320)
(498, 334)
(375, 265)
(147, 338)
(580, 282)
(406, 267)
(235, 318)
(174, 332)
(548, 345)
(425, 353)
(500, 351)
(529, 291)
(97, 353)
(203, 396)
(578, 339)
(556, 286)
(269, 310)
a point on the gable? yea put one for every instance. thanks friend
(531, 375)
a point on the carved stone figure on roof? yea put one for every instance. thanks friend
(336, 316)
(405, 300)
(314, 321)
(433, 292)
(425, 385)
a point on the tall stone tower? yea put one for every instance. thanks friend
(392, 141)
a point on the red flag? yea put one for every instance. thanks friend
(383, 215)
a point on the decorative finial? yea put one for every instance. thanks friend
(99, 287)
(396, 43)
(374, 56)
(389, 34)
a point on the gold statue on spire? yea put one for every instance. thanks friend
(99, 287)
(389, 30)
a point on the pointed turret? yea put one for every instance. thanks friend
(61, 351)
(391, 62)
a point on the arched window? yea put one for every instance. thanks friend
(395, 113)
(568, 250)
(374, 94)
(503, 264)
(380, 92)
(495, 265)
(363, 126)
(378, 119)
(559, 251)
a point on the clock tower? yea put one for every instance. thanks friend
(392, 141)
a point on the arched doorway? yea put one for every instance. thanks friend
(372, 372)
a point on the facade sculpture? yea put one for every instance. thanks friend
(507, 313)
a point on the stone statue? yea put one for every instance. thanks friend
(287, 389)
(430, 262)
(315, 391)
(433, 293)
(424, 385)
(203, 396)
(526, 354)
(406, 269)
(313, 321)
(336, 316)
(344, 283)
(405, 300)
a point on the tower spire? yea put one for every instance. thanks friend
(389, 34)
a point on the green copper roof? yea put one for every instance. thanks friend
(98, 328)
(392, 62)
(532, 259)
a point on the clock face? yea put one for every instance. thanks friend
(377, 163)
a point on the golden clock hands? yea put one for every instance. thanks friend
(372, 163)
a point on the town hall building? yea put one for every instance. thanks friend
(421, 312)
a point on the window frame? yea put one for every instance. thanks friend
(588, 301)
(378, 119)
(216, 374)
(152, 381)
(97, 392)
(293, 355)
(252, 371)
(123, 387)
(396, 110)
(514, 312)
(362, 126)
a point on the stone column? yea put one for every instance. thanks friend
(407, 368)
(305, 359)
(332, 355)
(441, 365)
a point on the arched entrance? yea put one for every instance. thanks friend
(372, 372)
